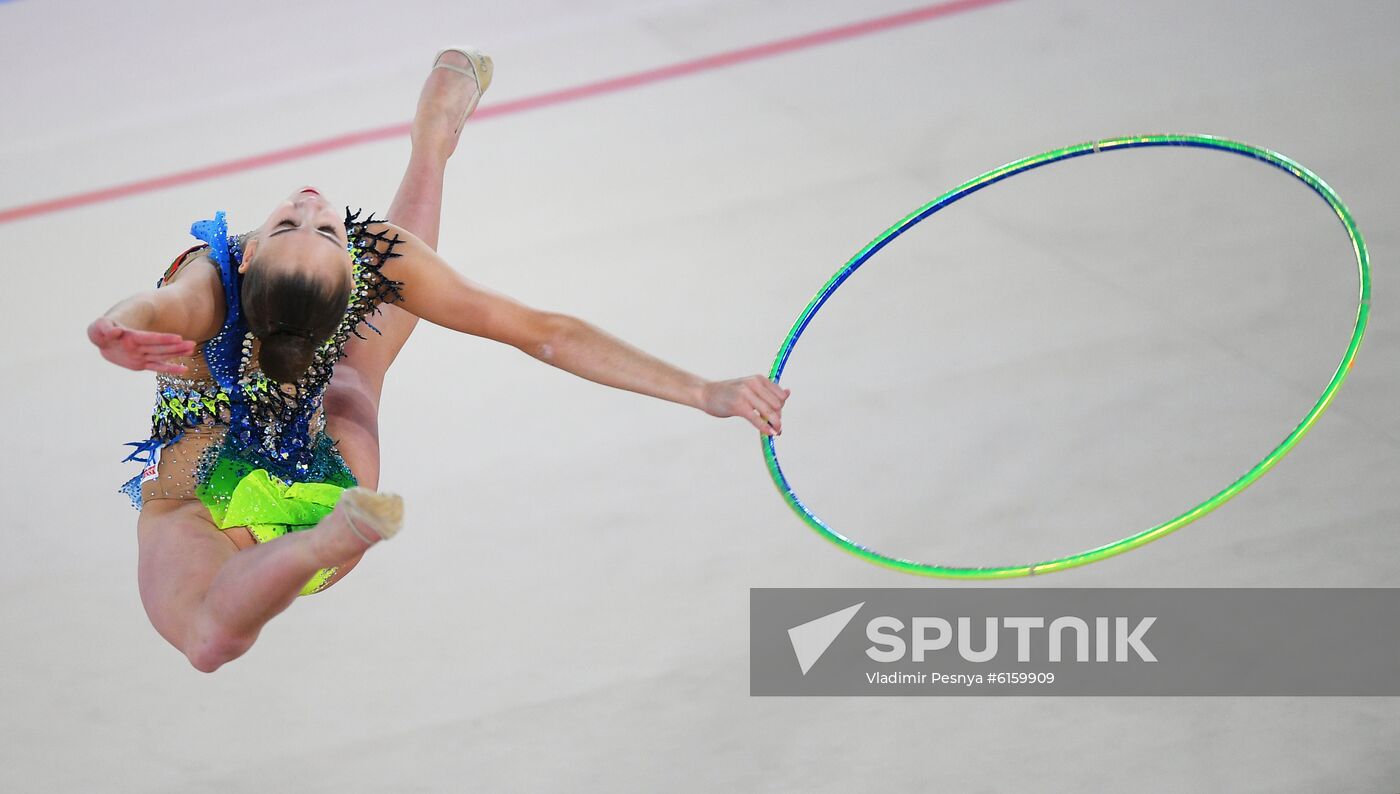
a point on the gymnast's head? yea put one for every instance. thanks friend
(296, 283)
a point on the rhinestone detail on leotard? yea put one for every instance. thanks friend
(268, 427)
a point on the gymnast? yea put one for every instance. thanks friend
(259, 479)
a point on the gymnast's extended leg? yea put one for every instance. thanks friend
(352, 398)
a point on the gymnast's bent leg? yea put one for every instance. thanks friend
(210, 599)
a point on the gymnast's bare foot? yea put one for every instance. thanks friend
(449, 96)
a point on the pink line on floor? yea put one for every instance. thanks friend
(671, 72)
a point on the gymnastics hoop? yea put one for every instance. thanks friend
(1147, 536)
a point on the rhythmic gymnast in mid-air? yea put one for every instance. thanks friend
(271, 349)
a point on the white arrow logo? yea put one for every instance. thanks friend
(811, 639)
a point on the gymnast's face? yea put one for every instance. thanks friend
(304, 232)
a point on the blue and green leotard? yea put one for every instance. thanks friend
(254, 452)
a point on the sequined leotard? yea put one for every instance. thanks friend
(224, 426)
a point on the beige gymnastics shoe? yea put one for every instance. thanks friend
(379, 513)
(480, 71)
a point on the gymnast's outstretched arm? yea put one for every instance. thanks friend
(436, 292)
(146, 330)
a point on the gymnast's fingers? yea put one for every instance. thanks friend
(167, 367)
(770, 410)
(758, 422)
(152, 337)
(167, 349)
(135, 345)
(776, 390)
(761, 419)
(147, 357)
(763, 398)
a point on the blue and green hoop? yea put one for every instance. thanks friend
(1146, 536)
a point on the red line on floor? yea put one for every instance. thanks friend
(671, 72)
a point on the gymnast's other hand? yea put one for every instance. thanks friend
(755, 398)
(139, 350)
